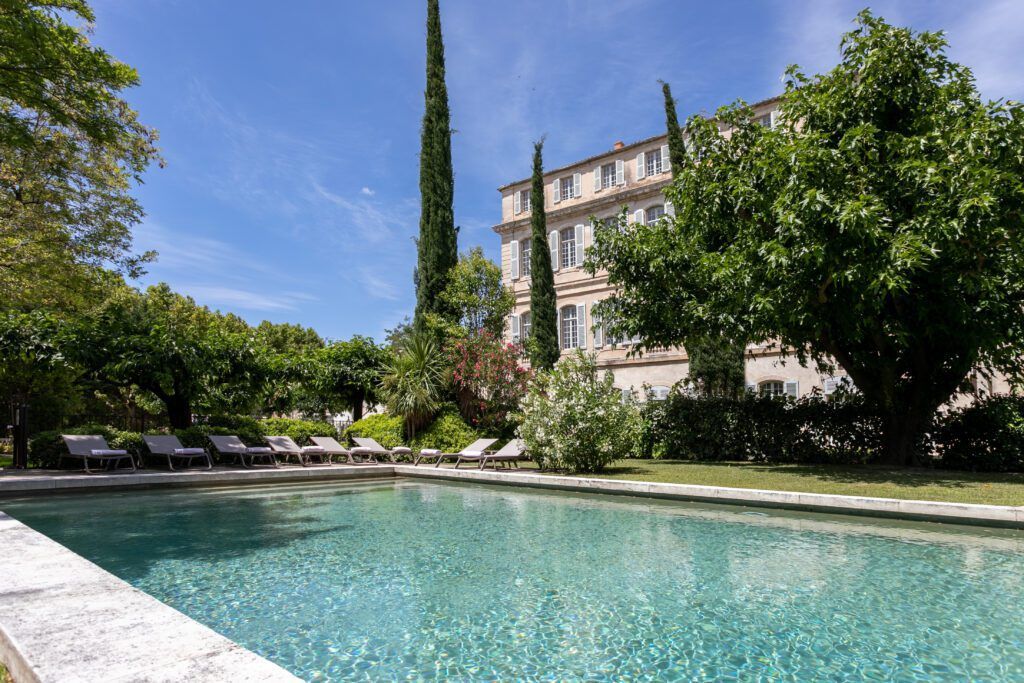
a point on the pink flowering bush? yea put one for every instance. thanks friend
(489, 382)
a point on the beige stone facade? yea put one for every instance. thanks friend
(631, 176)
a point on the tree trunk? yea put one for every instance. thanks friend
(179, 412)
(901, 436)
(357, 407)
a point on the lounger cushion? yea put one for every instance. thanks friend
(312, 449)
(472, 454)
(360, 450)
(430, 451)
(258, 449)
(189, 451)
(401, 449)
(107, 451)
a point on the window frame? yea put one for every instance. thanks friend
(653, 163)
(647, 214)
(608, 178)
(566, 188)
(568, 339)
(525, 257)
(567, 247)
(767, 388)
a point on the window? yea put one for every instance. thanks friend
(524, 200)
(525, 257)
(658, 393)
(567, 241)
(654, 214)
(566, 184)
(570, 329)
(654, 165)
(771, 388)
(607, 176)
(525, 325)
(765, 120)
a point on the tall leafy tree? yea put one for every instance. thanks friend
(190, 358)
(70, 150)
(878, 226)
(476, 296)
(437, 247)
(345, 375)
(716, 363)
(543, 347)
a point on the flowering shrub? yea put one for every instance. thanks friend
(576, 420)
(489, 381)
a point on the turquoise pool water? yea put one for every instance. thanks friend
(416, 580)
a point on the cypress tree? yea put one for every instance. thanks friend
(544, 349)
(717, 365)
(437, 246)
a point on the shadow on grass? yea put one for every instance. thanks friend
(863, 474)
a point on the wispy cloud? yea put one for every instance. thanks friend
(367, 191)
(218, 296)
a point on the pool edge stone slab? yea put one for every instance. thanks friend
(894, 508)
(64, 619)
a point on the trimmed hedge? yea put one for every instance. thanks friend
(45, 448)
(987, 436)
(448, 432)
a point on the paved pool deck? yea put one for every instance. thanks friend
(62, 618)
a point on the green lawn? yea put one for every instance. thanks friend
(919, 484)
(5, 461)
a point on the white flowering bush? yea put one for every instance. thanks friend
(575, 419)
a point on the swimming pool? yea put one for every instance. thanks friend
(404, 579)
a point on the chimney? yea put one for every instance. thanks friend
(618, 145)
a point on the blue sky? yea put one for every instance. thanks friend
(291, 130)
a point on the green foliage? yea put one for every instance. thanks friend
(386, 429)
(543, 345)
(345, 375)
(45, 448)
(70, 149)
(676, 145)
(475, 297)
(298, 430)
(717, 366)
(447, 432)
(987, 436)
(437, 247)
(876, 226)
(575, 419)
(415, 382)
(189, 357)
(764, 429)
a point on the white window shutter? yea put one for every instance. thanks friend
(641, 166)
(792, 388)
(579, 244)
(670, 209)
(598, 329)
(620, 172)
(516, 330)
(558, 328)
(556, 187)
(666, 163)
(517, 207)
(577, 184)
(597, 179)
(639, 217)
(774, 118)
(553, 244)
(581, 325)
(514, 258)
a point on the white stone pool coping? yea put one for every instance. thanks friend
(62, 618)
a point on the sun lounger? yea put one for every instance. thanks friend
(477, 448)
(233, 447)
(512, 452)
(94, 448)
(170, 447)
(365, 447)
(331, 446)
(286, 447)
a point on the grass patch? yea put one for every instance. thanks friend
(880, 482)
(6, 461)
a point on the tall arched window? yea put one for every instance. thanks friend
(525, 323)
(653, 214)
(771, 388)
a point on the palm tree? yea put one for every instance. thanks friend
(414, 381)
